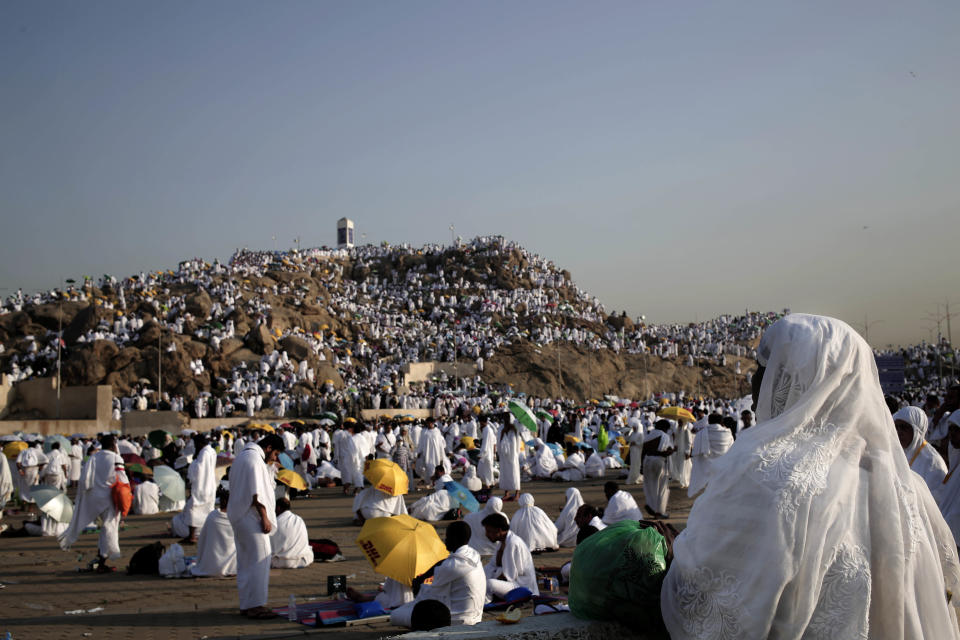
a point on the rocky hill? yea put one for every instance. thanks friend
(354, 317)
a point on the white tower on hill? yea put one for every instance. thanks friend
(344, 233)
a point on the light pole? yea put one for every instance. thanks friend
(453, 241)
(159, 367)
(60, 338)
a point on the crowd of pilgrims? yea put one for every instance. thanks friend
(629, 443)
(404, 305)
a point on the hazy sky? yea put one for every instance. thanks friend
(681, 159)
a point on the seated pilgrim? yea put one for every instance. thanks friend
(531, 523)
(216, 551)
(620, 505)
(439, 505)
(374, 503)
(512, 565)
(290, 545)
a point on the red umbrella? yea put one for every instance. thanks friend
(132, 458)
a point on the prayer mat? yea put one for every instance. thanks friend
(325, 613)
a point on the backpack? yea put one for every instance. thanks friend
(146, 560)
(122, 496)
(324, 549)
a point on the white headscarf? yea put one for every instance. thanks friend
(478, 538)
(533, 525)
(812, 524)
(567, 529)
(916, 418)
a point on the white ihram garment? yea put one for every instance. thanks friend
(290, 545)
(656, 481)
(95, 500)
(216, 549)
(922, 458)
(710, 443)
(515, 570)
(509, 454)
(478, 537)
(203, 493)
(146, 499)
(531, 523)
(621, 506)
(249, 477)
(567, 528)
(487, 455)
(812, 524)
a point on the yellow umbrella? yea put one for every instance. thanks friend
(387, 476)
(13, 449)
(349, 419)
(676, 413)
(266, 427)
(401, 547)
(292, 479)
(468, 442)
(571, 439)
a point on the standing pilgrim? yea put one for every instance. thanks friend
(488, 452)
(711, 442)
(911, 424)
(431, 452)
(95, 500)
(251, 511)
(202, 475)
(635, 440)
(657, 447)
(509, 452)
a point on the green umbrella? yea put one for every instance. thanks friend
(64, 443)
(330, 415)
(53, 502)
(158, 438)
(523, 415)
(544, 415)
(171, 484)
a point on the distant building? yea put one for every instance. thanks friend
(344, 233)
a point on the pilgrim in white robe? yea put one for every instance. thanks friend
(76, 461)
(470, 479)
(514, 570)
(488, 448)
(435, 506)
(567, 528)
(921, 456)
(478, 537)
(373, 503)
(621, 506)
(534, 526)
(710, 443)
(6, 487)
(656, 482)
(29, 461)
(509, 455)
(95, 500)
(203, 493)
(459, 583)
(635, 440)
(431, 453)
(53, 473)
(350, 460)
(216, 549)
(48, 527)
(572, 469)
(594, 467)
(291, 544)
(680, 464)
(146, 498)
(249, 477)
(543, 464)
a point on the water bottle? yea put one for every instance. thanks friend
(292, 608)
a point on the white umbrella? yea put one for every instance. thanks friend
(125, 446)
(171, 484)
(53, 502)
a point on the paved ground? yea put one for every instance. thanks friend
(41, 582)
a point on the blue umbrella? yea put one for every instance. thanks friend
(462, 495)
(285, 461)
(557, 449)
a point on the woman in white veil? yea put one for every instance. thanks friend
(567, 528)
(813, 525)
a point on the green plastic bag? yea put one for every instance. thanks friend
(616, 574)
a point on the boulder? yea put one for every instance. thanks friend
(89, 364)
(84, 320)
(259, 340)
(297, 348)
(49, 315)
(229, 345)
(199, 304)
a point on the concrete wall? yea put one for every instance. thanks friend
(6, 394)
(50, 427)
(423, 371)
(39, 396)
(140, 423)
(419, 414)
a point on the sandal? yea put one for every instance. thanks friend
(260, 613)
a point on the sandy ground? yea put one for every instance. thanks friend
(41, 582)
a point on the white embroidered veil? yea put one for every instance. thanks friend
(812, 525)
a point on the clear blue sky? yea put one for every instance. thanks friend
(681, 159)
